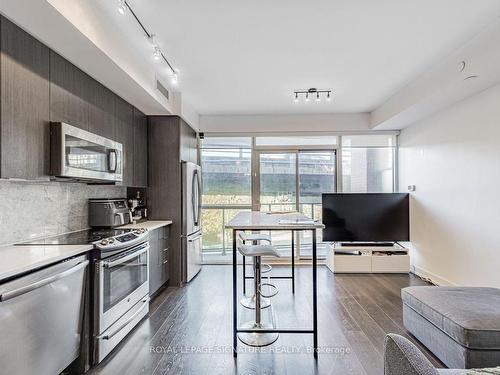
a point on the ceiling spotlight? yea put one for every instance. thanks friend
(296, 100)
(307, 96)
(318, 99)
(122, 7)
(157, 53)
(328, 97)
(174, 78)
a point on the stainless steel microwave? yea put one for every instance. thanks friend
(81, 155)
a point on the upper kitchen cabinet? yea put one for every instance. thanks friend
(24, 103)
(188, 142)
(69, 93)
(38, 86)
(101, 110)
(124, 133)
(140, 149)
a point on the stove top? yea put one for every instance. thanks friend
(81, 237)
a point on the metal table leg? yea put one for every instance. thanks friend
(315, 296)
(235, 311)
(293, 261)
(244, 277)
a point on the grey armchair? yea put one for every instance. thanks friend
(402, 357)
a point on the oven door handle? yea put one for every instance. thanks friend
(125, 258)
(109, 336)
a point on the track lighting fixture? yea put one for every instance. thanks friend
(312, 91)
(157, 52)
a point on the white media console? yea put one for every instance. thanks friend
(368, 259)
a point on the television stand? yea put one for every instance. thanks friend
(368, 244)
(368, 258)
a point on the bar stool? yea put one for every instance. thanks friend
(255, 238)
(258, 338)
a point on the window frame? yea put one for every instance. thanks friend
(256, 150)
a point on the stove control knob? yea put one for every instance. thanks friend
(143, 230)
(104, 242)
(137, 231)
(111, 240)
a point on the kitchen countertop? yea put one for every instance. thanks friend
(149, 225)
(20, 259)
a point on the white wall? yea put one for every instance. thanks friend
(285, 123)
(453, 158)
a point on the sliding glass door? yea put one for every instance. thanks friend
(293, 180)
(317, 175)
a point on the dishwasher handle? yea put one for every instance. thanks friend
(5, 296)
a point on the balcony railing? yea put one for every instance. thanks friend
(218, 241)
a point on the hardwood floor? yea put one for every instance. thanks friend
(188, 330)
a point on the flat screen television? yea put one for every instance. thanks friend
(366, 217)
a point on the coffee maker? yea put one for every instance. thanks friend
(137, 207)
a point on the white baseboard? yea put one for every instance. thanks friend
(433, 278)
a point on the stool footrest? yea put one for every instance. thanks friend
(276, 291)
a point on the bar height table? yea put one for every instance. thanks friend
(256, 221)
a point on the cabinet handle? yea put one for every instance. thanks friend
(166, 249)
(165, 261)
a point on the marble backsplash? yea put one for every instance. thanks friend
(31, 210)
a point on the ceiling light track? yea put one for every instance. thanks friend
(307, 94)
(123, 7)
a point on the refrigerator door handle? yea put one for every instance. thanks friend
(195, 198)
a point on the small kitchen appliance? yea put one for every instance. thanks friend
(109, 213)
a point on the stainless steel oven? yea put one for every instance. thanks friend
(81, 155)
(121, 297)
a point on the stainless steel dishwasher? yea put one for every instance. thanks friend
(41, 319)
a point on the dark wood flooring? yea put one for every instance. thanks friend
(188, 330)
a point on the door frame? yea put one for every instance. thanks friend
(257, 151)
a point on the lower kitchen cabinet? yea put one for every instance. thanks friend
(158, 258)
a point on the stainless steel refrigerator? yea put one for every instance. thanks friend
(191, 220)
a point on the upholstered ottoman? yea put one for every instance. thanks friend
(461, 326)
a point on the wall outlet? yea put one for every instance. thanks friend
(412, 188)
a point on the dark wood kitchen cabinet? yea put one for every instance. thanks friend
(38, 86)
(124, 133)
(170, 141)
(158, 258)
(101, 110)
(140, 149)
(69, 93)
(24, 103)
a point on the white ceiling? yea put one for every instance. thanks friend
(246, 57)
